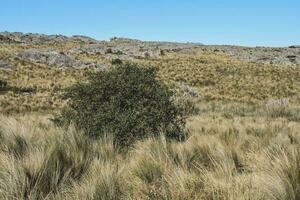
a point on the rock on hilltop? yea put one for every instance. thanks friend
(125, 48)
(40, 39)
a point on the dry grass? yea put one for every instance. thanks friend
(220, 77)
(239, 147)
(217, 77)
(34, 86)
(241, 157)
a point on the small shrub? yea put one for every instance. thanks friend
(25, 89)
(3, 85)
(118, 52)
(116, 61)
(127, 101)
(147, 54)
(108, 51)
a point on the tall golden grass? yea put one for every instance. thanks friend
(239, 147)
(253, 156)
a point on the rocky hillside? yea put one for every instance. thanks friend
(61, 51)
(38, 67)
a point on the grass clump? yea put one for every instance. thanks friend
(281, 108)
(38, 167)
(127, 101)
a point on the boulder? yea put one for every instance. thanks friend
(6, 66)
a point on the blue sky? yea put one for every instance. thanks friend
(238, 22)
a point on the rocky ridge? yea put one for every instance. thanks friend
(124, 48)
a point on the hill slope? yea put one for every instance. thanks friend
(37, 67)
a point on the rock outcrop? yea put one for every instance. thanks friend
(40, 39)
(53, 58)
(128, 48)
(6, 66)
(125, 48)
(267, 55)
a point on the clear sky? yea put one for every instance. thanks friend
(238, 22)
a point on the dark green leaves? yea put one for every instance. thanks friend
(126, 101)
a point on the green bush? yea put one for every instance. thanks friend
(126, 101)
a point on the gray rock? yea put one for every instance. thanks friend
(6, 66)
(53, 58)
(125, 48)
(34, 38)
(31, 38)
(265, 55)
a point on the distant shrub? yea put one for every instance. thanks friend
(147, 54)
(126, 101)
(3, 85)
(116, 61)
(25, 89)
(108, 51)
(113, 38)
(118, 52)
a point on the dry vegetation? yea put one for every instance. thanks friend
(237, 148)
(217, 77)
(249, 157)
(220, 77)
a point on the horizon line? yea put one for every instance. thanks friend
(151, 40)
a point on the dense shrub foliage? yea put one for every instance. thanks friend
(126, 101)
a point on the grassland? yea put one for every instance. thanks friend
(238, 147)
(217, 77)
(253, 156)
